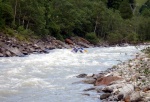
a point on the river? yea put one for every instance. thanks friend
(50, 77)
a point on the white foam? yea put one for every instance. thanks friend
(56, 71)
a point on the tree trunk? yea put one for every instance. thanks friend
(27, 24)
(19, 16)
(15, 12)
(96, 24)
(23, 22)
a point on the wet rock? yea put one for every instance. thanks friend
(98, 89)
(120, 97)
(8, 54)
(89, 89)
(97, 76)
(107, 90)
(104, 96)
(1, 55)
(86, 94)
(81, 75)
(16, 51)
(89, 81)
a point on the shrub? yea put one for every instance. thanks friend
(132, 38)
(115, 37)
(91, 37)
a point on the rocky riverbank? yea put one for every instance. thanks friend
(11, 46)
(126, 82)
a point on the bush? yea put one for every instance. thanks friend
(24, 34)
(115, 37)
(91, 37)
(132, 38)
(9, 31)
(59, 37)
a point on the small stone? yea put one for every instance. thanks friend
(86, 94)
(81, 75)
(89, 81)
(107, 90)
(120, 96)
(147, 88)
(104, 96)
(89, 89)
(127, 98)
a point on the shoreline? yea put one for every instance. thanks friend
(11, 46)
(126, 82)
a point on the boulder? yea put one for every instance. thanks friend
(83, 44)
(107, 90)
(104, 96)
(81, 75)
(10, 50)
(106, 80)
(1, 55)
(84, 40)
(68, 41)
(89, 81)
(89, 89)
(135, 96)
(8, 54)
(126, 90)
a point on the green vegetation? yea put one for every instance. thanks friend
(115, 21)
(92, 37)
(140, 2)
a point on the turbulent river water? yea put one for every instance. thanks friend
(50, 77)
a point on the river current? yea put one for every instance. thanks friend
(50, 77)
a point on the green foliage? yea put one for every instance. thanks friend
(140, 2)
(115, 37)
(6, 14)
(9, 31)
(109, 19)
(125, 10)
(114, 4)
(25, 32)
(145, 9)
(92, 38)
(144, 29)
(132, 38)
(59, 36)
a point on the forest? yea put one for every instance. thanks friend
(112, 21)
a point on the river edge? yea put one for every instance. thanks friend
(126, 82)
(12, 46)
(125, 86)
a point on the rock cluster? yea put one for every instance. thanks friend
(125, 82)
(10, 46)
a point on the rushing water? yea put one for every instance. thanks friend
(50, 77)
